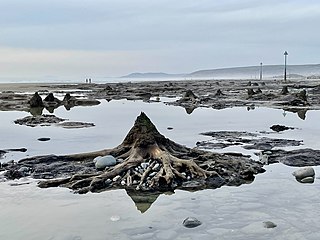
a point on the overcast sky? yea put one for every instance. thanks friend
(80, 38)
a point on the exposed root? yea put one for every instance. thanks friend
(151, 162)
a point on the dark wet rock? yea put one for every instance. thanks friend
(44, 139)
(189, 96)
(230, 136)
(265, 143)
(43, 120)
(303, 173)
(296, 158)
(50, 102)
(284, 90)
(222, 139)
(218, 93)
(302, 95)
(73, 125)
(14, 174)
(258, 91)
(170, 128)
(215, 181)
(251, 107)
(48, 167)
(191, 222)
(250, 92)
(36, 101)
(280, 128)
(51, 98)
(269, 224)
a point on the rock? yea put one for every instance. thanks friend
(74, 125)
(304, 173)
(105, 161)
(191, 222)
(269, 224)
(44, 139)
(250, 92)
(280, 128)
(307, 180)
(51, 98)
(23, 169)
(302, 95)
(36, 101)
(116, 178)
(284, 90)
(259, 90)
(108, 182)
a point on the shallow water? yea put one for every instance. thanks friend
(28, 212)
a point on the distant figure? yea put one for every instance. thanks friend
(86, 80)
(89, 80)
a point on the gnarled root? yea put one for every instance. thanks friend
(159, 171)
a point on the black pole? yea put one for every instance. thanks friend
(285, 65)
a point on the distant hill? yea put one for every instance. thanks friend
(250, 72)
(152, 75)
(269, 71)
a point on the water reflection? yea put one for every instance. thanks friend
(143, 201)
(302, 113)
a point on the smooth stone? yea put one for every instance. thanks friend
(105, 161)
(43, 139)
(307, 180)
(23, 169)
(144, 165)
(152, 174)
(304, 173)
(269, 224)
(191, 222)
(108, 181)
(116, 178)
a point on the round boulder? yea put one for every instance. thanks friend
(191, 222)
(104, 161)
(304, 173)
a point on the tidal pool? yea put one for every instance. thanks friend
(27, 212)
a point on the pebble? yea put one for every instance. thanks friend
(156, 167)
(105, 161)
(123, 182)
(23, 169)
(108, 181)
(307, 180)
(152, 174)
(144, 165)
(191, 222)
(116, 178)
(269, 224)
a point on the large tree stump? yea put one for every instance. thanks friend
(148, 161)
